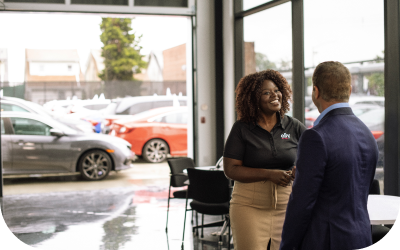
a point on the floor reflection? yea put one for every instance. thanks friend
(109, 219)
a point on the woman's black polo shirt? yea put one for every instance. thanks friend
(258, 148)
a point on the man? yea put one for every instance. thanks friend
(336, 161)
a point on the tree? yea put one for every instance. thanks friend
(376, 84)
(262, 62)
(376, 81)
(121, 50)
(285, 65)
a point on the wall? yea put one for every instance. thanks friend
(206, 83)
(229, 67)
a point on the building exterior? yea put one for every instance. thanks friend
(249, 58)
(175, 63)
(52, 74)
(154, 70)
(94, 66)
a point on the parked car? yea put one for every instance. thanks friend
(35, 144)
(373, 117)
(155, 134)
(20, 105)
(88, 106)
(358, 109)
(356, 99)
(375, 121)
(128, 106)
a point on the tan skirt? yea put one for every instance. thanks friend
(257, 213)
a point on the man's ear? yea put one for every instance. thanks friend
(351, 88)
(316, 91)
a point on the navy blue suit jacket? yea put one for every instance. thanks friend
(336, 163)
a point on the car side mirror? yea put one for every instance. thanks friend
(56, 132)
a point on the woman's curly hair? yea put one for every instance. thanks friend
(248, 94)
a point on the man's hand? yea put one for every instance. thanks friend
(294, 172)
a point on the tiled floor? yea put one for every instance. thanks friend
(127, 211)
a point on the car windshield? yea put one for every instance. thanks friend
(58, 125)
(110, 109)
(39, 109)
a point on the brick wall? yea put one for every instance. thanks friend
(175, 63)
(249, 58)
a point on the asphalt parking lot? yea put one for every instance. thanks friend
(141, 174)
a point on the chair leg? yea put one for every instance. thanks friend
(197, 224)
(202, 223)
(169, 196)
(224, 227)
(184, 222)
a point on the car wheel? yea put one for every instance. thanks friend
(95, 165)
(155, 151)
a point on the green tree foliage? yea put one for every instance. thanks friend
(376, 84)
(262, 62)
(121, 50)
(376, 81)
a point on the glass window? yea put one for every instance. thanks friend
(34, 1)
(271, 48)
(339, 31)
(173, 118)
(177, 118)
(24, 126)
(101, 2)
(140, 107)
(248, 4)
(12, 107)
(268, 41)
(161, 104)
(162, 3)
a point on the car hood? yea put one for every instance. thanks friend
(102, 137)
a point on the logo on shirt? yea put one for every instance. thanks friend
(285, 136)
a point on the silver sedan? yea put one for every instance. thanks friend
(33, 144)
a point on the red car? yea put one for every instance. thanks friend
(156, 133)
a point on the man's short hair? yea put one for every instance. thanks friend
(333, 80)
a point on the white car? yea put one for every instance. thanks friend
(362, 99)
(20, 105)
(126, 107)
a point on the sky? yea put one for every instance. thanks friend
(81, 32)
(340, 30)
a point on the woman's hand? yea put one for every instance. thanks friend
(281, 178)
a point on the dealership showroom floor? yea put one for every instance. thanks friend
(125, 211)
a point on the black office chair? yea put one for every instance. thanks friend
(210, 192)
(177, 179)
(220, 163)
(378, 231)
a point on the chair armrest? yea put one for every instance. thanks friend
(179, 174)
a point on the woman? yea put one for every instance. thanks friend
(259, 155)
